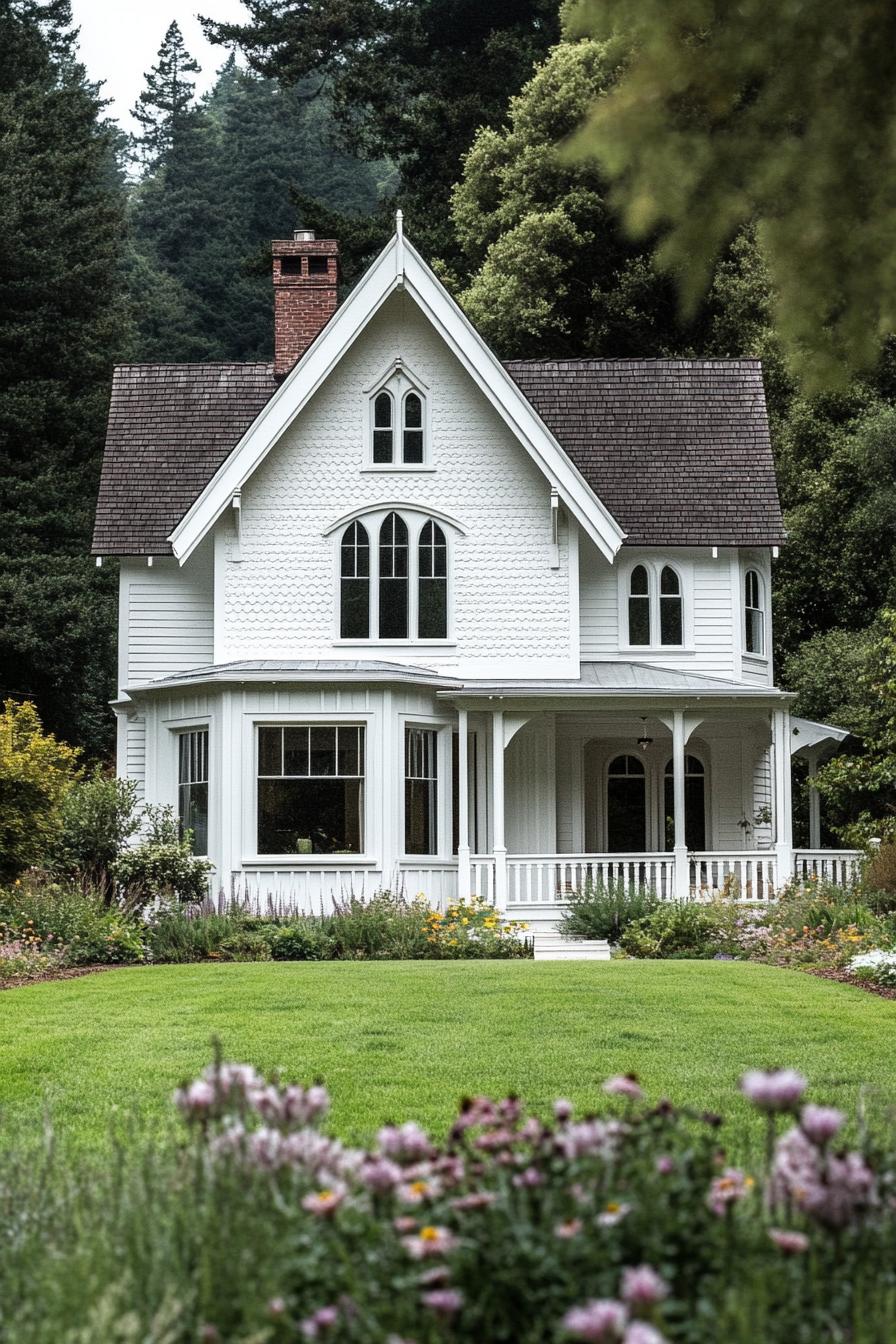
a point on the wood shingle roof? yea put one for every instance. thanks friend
(677, 450)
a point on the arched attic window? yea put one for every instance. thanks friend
(754, 614)
(394, 584)
(671, 621)
(432, 605)
(639, 606)
(412, 430)
(383, 428)
(354, 583)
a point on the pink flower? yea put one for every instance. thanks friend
(727, 1189)
(319, 1322)
(563, 1110)
(599, 1320)
(589, 1138)
(821, 1123)
(433, 1278)
(665, 1165)
(777, 1090)
(566, 1231)
(324, 1203)
(624, 1085)
(404, 1224)
(404, 1143)
(478, 1199)
(276, 1308)
(429, 1241)
(528, 1179)
(639, 1332)
(612, 1214)
(380, 1175)
(642, 1287)
(443, 1301)
(789, 1243)
(196, 1099)
(415, 1192)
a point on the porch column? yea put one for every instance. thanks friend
(464, 880)
(783, 815)
(680, 850)
(814, 805)
(499, 848)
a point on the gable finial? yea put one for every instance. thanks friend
(399, 223)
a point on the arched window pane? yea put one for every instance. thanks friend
(753, 614)
(412, 442)
(639, 607)
(671, 624)
(393, 578)
(626, 806)
(694, 804)
(432, 619)
(354, 614)
(382, 428)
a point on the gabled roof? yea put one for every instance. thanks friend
(678, 450)
(653, 452)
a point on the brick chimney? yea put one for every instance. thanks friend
(306, 276)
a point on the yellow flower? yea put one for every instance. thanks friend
(428, 1233)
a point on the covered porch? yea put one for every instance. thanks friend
(688, 795)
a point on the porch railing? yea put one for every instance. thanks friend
(750, 875)
(546, 879)
(840, 866)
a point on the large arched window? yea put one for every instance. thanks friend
(639, 606)
(754, 614)
(671, 622)
(412, 430)
(626, 806)
(354, 583)
(694, 804)
(393, 576)
(383, 431)
(432, 583)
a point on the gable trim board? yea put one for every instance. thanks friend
(398, 267)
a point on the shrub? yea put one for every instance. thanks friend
(878, 967)
(245, 946)
(677, 928)
(63, 913)
(879, 877)
(162, 867)
(27, 957)
(301, 941)
(99, 817)
(598, 911)
(173, 934)
(36, 772)
(622, 1226)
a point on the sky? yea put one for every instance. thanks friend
(120, 40)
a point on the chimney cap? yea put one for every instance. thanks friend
(303, 235)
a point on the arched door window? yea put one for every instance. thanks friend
(383, 432)
(754, 616)
(639, 606)
(626, 806)
(354, 604)
(694, 804)
(432, 606)
(394, 588)
(671, 624)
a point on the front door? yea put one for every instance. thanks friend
(626, 806)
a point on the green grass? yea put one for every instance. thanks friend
(407, 1039)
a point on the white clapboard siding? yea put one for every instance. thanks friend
(170, 621)
(135, 756)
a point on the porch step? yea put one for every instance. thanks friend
(551, 946)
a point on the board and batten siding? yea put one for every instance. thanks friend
(167, 617)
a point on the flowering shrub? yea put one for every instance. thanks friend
(631, 1226)
(878, 967)
(472, 928)
(62, 914)
(601, 910)
(27, 957)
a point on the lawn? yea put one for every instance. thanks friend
(407, 1039)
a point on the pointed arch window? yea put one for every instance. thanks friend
(639, 606)
(383, 430)
(754, 614)
(354, 583)
(412, 430)
(394, 582)
(432, 568)
(671, 618)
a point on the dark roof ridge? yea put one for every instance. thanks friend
(677, 361)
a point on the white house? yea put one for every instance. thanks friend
(394, 613)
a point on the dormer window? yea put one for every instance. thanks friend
(398, 422)
(754, 614)
(654, 596)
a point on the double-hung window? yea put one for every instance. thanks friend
(754, 615)
(311, 789)
(421, 790)
(192, 786)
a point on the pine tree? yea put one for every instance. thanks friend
(165, 108)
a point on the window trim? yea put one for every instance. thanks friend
(761, 657)
(249, 785)
(399, 382)
(655, 566)
(178, 730)
(443, 729)
(415, 517)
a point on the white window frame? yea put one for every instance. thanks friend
(250, 790)
(169, 766)
(750, 568)
(180, 734)
(398, 381)
(655, 567)
(415, 519)
(443, 730)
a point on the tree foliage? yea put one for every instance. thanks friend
(36, 773)
(728, 114)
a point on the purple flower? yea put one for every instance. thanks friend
(276, 1308)
(380, 1175)
(624, 1085)
(665, 1165)
(429, 1241)
(787, 1242)
(642, 1287)
(821, 1123)
(319, 1322)
(727, 1189)
(404, 1143)
(777, 1090)
(566, 1231)
(599, 1320)
(443, 1301)
(639, 1332)
(832, 1189)
(563, 1110)
(528, 1179)
(478, 1199)
(196, 1099)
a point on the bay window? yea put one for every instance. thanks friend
(310, 781)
